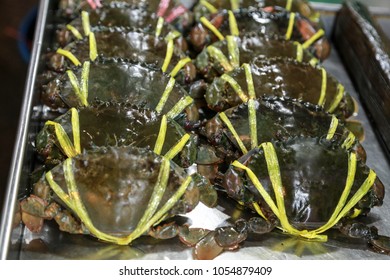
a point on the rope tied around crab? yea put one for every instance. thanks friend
(151, 216)
(341, 210)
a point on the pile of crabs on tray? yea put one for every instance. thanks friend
(161, 105)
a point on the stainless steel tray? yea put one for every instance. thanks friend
(18, 243)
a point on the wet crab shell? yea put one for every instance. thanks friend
(313, 175)
(284, 77)
(115, 185)
(71, 8)
(115, 80)
(249, 45)
(298, 6)
(173, 12)
(121, 17)
(274, 22)
(130, 44)
(277, 118)
(114, 125)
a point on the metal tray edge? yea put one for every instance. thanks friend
(22, 133)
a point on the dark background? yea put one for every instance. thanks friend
(13, 70)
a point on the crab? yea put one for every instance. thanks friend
(130, 82)
(303, 7)
(223, 56)
(232, 133)
(116, 124)
(164, 53)
(92, 194)
(290, 25)
(303, 187)
(154, 18)
(278, 77)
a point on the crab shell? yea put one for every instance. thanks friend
(313, 174)
(115, 185)
(129, 44)
(122, 17)
(275, 22)
(277, 118)
(115, 80)
(284, 77)
(249, 45)
(114, 125)
(298, 6)
(72, 8)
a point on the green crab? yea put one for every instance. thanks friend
(279, 77)
(116, 194)
(303, 187)
(114, 125)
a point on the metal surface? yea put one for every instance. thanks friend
(19, 243)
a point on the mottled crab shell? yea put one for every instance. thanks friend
(115, 80)
(110, 189)
(210, 63)
(275, 118)
(127, 43)
(114, 125)
(129, 16)
(312, 177)
(298, 6)
(276, 22)
(282, 77)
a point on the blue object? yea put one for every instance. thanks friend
(26, 33)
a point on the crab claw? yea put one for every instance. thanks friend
(381, 244)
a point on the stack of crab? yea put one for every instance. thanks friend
(146, 92)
